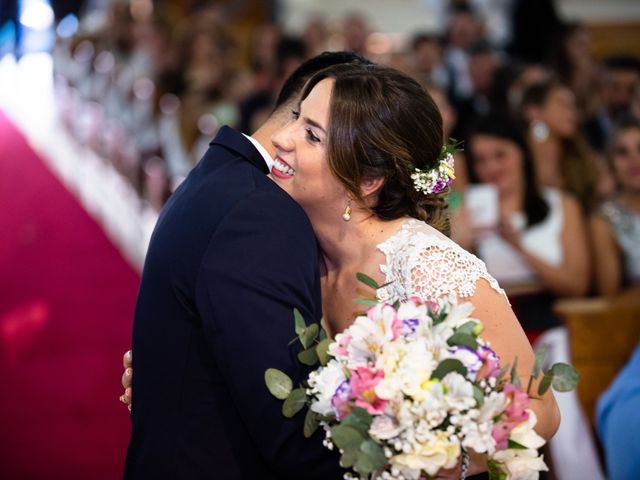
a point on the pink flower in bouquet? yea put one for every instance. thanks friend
(518, 402)
(363, 382)
(490, 363)
(343, 342)
(514, 415)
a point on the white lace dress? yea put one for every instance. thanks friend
(422, 261)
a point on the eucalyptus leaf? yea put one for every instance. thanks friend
(467, 327)
(322, 350)
(370, 458)
(565, 377)
(299, 322)
(348, 458)
(503, 371)
(346, 438)
(365, 301)
(545, 383)
(309, 356)
(448, 365)
(294, 402)
(359, 419)
(515, 379)
(478, 395)
(463, 340)
(367, 280)
(323, 329)
(278, 383)
(311, 423)
(537, 366)
(309, 334)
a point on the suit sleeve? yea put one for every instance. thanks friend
(260, 264)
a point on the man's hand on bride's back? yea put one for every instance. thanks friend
(127, 378)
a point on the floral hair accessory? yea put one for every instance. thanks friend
(434, 180)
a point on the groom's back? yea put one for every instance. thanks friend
(205, 301)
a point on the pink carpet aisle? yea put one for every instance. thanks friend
(66, 302)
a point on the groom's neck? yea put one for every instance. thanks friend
(263, 135)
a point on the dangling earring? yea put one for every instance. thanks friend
(346, 215)
(540, 131)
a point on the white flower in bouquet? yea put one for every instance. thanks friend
(459, 392)
(384, 427)
(521, 464)
(323, 384)
(525, 435)
(439, 452)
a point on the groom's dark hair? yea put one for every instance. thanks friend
(296, 81)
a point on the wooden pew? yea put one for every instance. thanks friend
(602, 336)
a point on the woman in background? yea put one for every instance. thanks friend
(538, 249)
(615, 227)
(562, 158)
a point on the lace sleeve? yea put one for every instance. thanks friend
(423, 262)
(440, 270)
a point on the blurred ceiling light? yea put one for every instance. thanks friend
(141, 10)
(68, 26)
(379, 43)
(36, 14)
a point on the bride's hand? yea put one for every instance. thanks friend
(127, 378)
(450, 473)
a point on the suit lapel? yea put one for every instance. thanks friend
(233, 140)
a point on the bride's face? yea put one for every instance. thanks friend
(301, 167)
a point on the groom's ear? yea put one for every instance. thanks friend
(370, 187)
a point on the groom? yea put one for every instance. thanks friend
(230, 257)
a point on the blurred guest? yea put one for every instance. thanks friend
(562, 158)
(464, 31)
(315, 37)
(484, 61)
(289, 54)
(535, 26)
(538, 251)
(576, 67)
(537, 247)
(621, 78)
(355, 31)
(616, 226)
(618, 422)
(427, 66)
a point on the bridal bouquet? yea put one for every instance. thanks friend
(409, 388)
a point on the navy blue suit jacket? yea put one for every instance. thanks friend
(231, 255)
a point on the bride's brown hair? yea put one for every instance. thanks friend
(382, 124)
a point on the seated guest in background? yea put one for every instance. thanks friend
(538, 248)
(562, 158)
(618, 422)
(615, 227)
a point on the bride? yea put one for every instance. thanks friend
(355, 157)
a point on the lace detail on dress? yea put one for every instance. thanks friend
(421, 261)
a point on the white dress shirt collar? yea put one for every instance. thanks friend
(265, 155)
